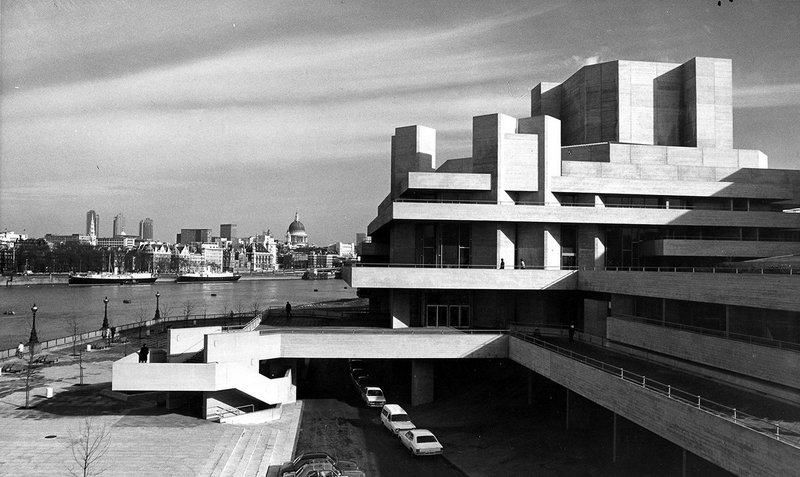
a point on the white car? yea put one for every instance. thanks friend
(421, 442)
(395, 419)
(373, 396)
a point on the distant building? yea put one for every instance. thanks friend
(212, 256)
(124, 241)
(320, 260)
(73, 238)
(92, 223)
(119, 225)
(146, 229)
(227, 231)
(296, 234)
(341, 249)
(194, 236)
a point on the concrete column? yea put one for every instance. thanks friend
(552, 246)
(506, 236)
(400, 304)
(413, 150)
(549, 151)
(727, 320)
(421, 382)
(566, 420)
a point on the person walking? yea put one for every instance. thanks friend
(502, 264)
(522, 264)
(572, 332)
(288, 310)
(20, 350)
(143, 352)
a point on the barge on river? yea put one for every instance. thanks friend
(111, 278)
(207, 276)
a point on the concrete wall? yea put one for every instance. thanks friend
(750, 290)
(449, 181)
(718, 248)
(589, 215)
(400, 303)
(185, 342)
(488, 151)
(462, 278)
(548, 131)
(761, 362)
(413, 150)
(600, 185)
(725, 443)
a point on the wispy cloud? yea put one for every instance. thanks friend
(767, 95)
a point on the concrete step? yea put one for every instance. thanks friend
(222, 451)
(242, 454)
(261, 453)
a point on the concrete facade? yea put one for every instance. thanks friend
(621, 194)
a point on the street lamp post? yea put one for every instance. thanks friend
(33, 341)
(158, 313)
(105, 318)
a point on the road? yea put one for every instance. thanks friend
(336, 421)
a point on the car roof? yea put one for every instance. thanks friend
(421, 432)
(372, 387)
(394, 408)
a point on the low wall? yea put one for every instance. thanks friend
(761, 362)
(721, 441)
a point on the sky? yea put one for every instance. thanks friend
(198, 113)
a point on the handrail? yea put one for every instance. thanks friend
(777, 270)
(750, 339)
(222, 412)
(762, 426)
(380, 331)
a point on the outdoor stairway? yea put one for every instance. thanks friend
(250, 450)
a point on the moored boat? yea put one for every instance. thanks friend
(207, 276)
(91, 278)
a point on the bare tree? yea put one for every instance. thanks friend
(188, 307)
(88, 447)
(73, 325)
(255, 306)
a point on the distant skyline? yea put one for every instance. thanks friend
(202, 113)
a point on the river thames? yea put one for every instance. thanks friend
(59, 306)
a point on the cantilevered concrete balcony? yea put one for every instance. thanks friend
(446, 181)
(410, 276)
(669, 188)
(717, 248)
(777, 291)
(527, 213)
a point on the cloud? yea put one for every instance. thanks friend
(767, 95)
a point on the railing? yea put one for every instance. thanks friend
(89, 335)
(223, 412)
(579, 204)
(756, 424)
(777, 270)
(750, 339)
(312, 312)
(382, 331)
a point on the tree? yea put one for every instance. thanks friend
(88, 448)
(255, 306)
(73, 325)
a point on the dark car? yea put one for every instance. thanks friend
(293, 467)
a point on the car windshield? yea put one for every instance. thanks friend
(424, 439)
(400, 418)
(374, 392)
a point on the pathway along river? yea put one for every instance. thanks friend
(60, 305)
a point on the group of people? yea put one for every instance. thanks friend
(521, 263)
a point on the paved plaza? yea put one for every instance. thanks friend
(144, 439)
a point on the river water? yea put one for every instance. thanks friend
(59, 306)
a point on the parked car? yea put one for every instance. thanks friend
(357, 373)
(421, 442)
(395, 418)
(323, 469)
(357, 363)
(373, 396)
(364, 381)
(295, 467)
